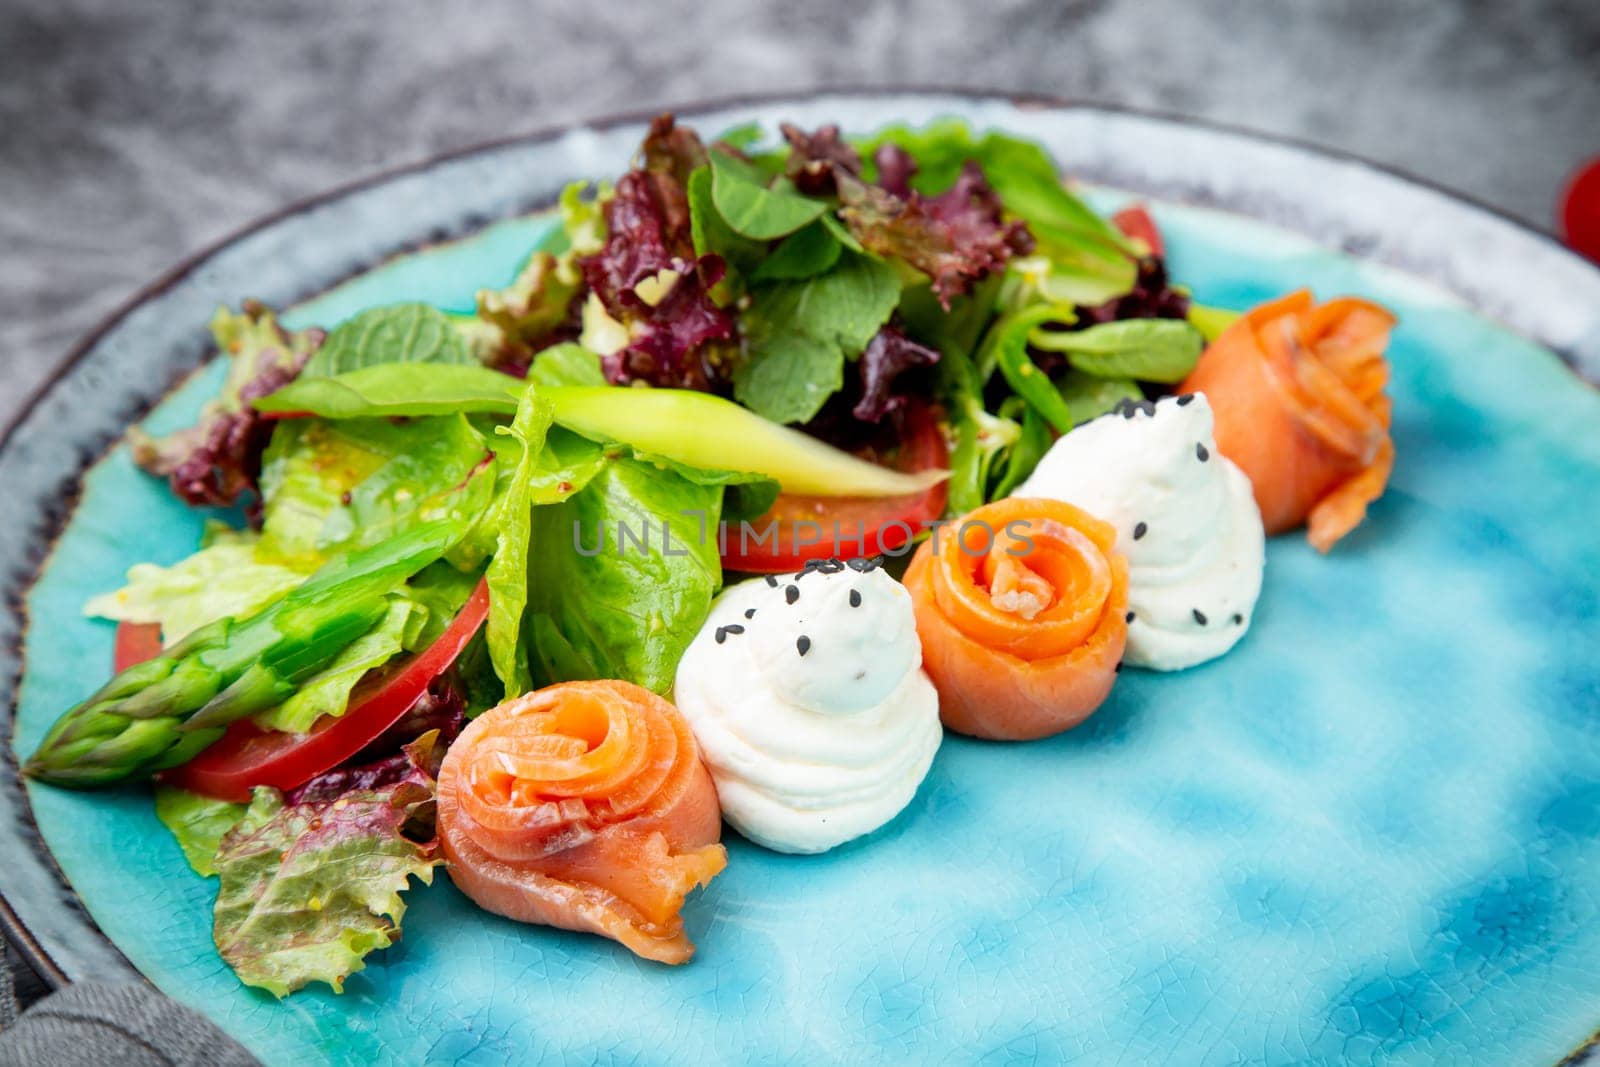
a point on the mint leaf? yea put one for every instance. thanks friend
(803, 254)
(798, 334)
(741, 195)
(198, 823)
(401, 333)
(788, 376)
(1151, 350)
(710, 231)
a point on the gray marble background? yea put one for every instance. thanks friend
(133, 132)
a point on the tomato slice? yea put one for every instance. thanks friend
(844, 527)
(1580, 211)
(1135, 221)
(248, 756)
(135, 643)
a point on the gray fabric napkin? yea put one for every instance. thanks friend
(122, 1024)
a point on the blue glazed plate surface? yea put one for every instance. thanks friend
(1370, 834)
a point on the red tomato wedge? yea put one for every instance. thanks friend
(136, 642)
(1135, 221)
(823, 527)
(249, 756)
(1580, 211)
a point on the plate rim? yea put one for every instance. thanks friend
(29, 947)
(188, 263)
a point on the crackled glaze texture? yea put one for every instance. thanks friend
(1369, 834)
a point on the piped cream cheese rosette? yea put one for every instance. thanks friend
(1186, 520)
(807, 697)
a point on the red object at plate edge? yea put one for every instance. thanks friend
(248, 756)
(1580, 211)
(135, 643)
(1135, 221)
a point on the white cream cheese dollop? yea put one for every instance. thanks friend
(807, 697)
(1185, 517)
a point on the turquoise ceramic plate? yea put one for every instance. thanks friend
(1370, 834)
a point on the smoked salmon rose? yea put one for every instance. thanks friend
(584, 806)
(1297, 389)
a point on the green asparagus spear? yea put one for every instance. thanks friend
(161, 713)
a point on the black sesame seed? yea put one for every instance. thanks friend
(734, 628)
(791, 593)
(722, 634)
(855, 598)
(1139, 529)
(749, 613)
(803, 644)
(1199, 616)
(865, 564)
(1200, 450)
(1129, 617)
(773, 582)
(1185, 400)
(1127, 409)
(1238, 619)
(1147, 406)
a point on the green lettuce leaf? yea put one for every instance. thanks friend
(803, 254)
(220, 581)
(198, 823)
(441, 589)
(508, 569)
(612, 603)
(799, 333)
(329, 486)
(307, 890)
(400, 333)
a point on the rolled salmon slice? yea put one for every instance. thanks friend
(1021, 611)
(1297, 389)
(583, 806)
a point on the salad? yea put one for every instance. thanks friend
(774, 462)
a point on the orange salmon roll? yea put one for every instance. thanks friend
(1297, 390)
(1021, 610)
(585, 806)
